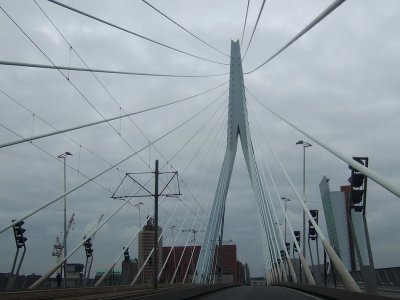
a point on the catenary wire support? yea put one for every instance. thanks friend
(156, 194)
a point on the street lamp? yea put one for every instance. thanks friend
(137, 205)
(64, 156)
(173, 244)
(305, 145)
(286, 201)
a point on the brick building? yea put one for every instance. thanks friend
(230, 269)
(146, 244)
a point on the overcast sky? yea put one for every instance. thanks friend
(340, 83)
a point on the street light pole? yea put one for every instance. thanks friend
(286, 201)
(137, 205)
(305, 145)
(64, 156)
(173, 245)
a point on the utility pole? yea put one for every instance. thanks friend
(173, 240)
(156, 194)
(305, 145)
(64, 156)
(155, 257)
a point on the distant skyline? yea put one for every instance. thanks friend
(339, 83)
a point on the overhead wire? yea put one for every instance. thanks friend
(134, 33)
(254, 29)
(112, 97)
(104, 120)
(140, 130)
(186, 30)
(70, 82)
(52, 156)
(92, 72)
(314, 22)
(52, 126)
(104, 171)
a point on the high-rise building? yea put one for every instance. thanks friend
(146, 245)
(335, 210)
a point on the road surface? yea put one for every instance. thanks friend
(257, 293)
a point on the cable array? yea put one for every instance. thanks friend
(273, 241)
(314, 22)
(254, 29)
(186, 30)
(245, 22)
(134, 33)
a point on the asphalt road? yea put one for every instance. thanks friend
(257, 293)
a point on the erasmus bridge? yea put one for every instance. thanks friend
(112, 150)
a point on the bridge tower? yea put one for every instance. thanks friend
(238, 125)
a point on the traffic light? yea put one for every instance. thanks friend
(88, 247)
(288, 247)
(358, 183)
(19, 234)
(283, 254)
(312, 233)
(297, 237)
(126, 254)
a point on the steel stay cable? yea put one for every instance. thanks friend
(379, 179)
(133, 33)
(254, 29)
(102, 278)
(314, 22)
(305, 266)
(70, 82)
(174, 241)
(104, 120)
(87, 69)
(196, 175)
(158, 240)
(191, 259)
(347, 279)
(56, 266)
(197, 131)
(270, 203)
(168, 160)
(103, 172)
(217, 152)
(50, 125)
(183, 251)
(201, 165)
(245, 21)
(176, 23)
(100, 82)
(54, 157)
(214, 102)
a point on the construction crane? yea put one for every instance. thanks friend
(58, 246)
(192, 231)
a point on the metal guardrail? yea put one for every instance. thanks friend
(333, 293)
(176, 292)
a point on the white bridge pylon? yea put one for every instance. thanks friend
(238, 125)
